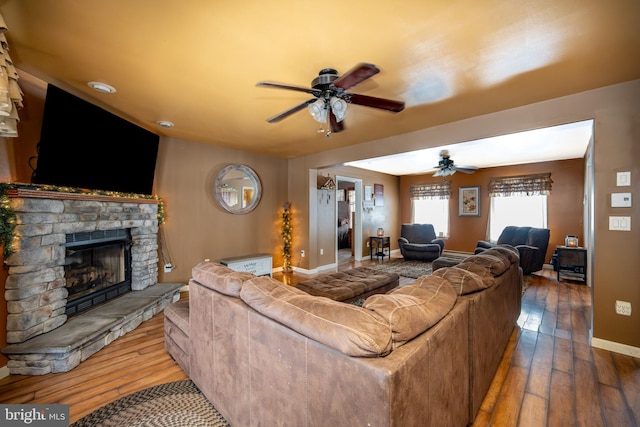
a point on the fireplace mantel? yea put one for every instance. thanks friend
(20, 192)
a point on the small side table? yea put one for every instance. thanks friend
(571, 263)
(380, 246)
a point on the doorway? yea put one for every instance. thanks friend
(349, 222)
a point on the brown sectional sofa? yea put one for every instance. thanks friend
(265, 353)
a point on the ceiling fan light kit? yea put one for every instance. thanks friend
(318, 111)
(331, 96)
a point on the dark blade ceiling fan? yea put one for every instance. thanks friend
(446, 166)
(329, 89)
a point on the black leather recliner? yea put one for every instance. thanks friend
(419, 242)
(530, 242)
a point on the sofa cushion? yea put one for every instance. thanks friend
(414, 308)
(496, 263)
(465, 280)
(508, 251)
(220, 278)
(422, 247)
(347, 328)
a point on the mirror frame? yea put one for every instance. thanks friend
(255, 181)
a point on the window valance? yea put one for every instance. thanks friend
(440, 190)
(523, 185)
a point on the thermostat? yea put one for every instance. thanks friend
(620, 200)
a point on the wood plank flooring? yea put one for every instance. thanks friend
(549, 375)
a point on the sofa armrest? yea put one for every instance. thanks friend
(439, 242)
(527, 256)
(484, 244)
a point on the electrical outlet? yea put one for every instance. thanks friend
(168, 268)
(321, 251)
(623, 308)
(302, 253)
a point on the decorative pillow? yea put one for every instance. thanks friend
(497, 264)
(414, 308)
(220, 278)
(507, 251)
(347, 328)
(465, 281)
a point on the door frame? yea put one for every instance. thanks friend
(357, 227)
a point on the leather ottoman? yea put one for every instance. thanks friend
(350, 285)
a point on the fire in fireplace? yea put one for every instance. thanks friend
(97, 268)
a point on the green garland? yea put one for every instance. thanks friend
(8, 216)
(7, 222)
(286, 237)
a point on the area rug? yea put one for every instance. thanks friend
(413, 269)
(176, 404)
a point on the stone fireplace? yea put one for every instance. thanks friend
(75, 254)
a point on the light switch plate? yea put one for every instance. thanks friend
(620, 200)
(620, 223)
(623, 179)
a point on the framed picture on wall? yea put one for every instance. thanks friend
(469, 203)
(378, 194)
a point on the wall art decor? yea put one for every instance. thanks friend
(469, 203)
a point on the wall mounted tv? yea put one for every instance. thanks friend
(84, 146)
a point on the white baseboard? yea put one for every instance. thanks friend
(4, 372)
(615, 347)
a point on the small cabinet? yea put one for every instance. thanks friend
(258, 264)
(571, 263)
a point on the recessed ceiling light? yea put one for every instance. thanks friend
(165, 123)
(101, 87)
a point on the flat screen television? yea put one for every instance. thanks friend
(84, 146)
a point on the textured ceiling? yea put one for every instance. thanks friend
(196, 63)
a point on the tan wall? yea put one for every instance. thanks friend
(617, 253)
(565, 207)
(196, 228)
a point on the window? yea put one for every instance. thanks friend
(430, 205)
(518, 200)
(432, 211)
(516, 210)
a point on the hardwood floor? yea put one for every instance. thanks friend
(549, 375)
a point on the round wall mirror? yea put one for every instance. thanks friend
(237, 189)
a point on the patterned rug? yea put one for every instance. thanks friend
(413, 269)
(176, 404)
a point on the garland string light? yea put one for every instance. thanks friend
(286, 237)
(8, 216)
